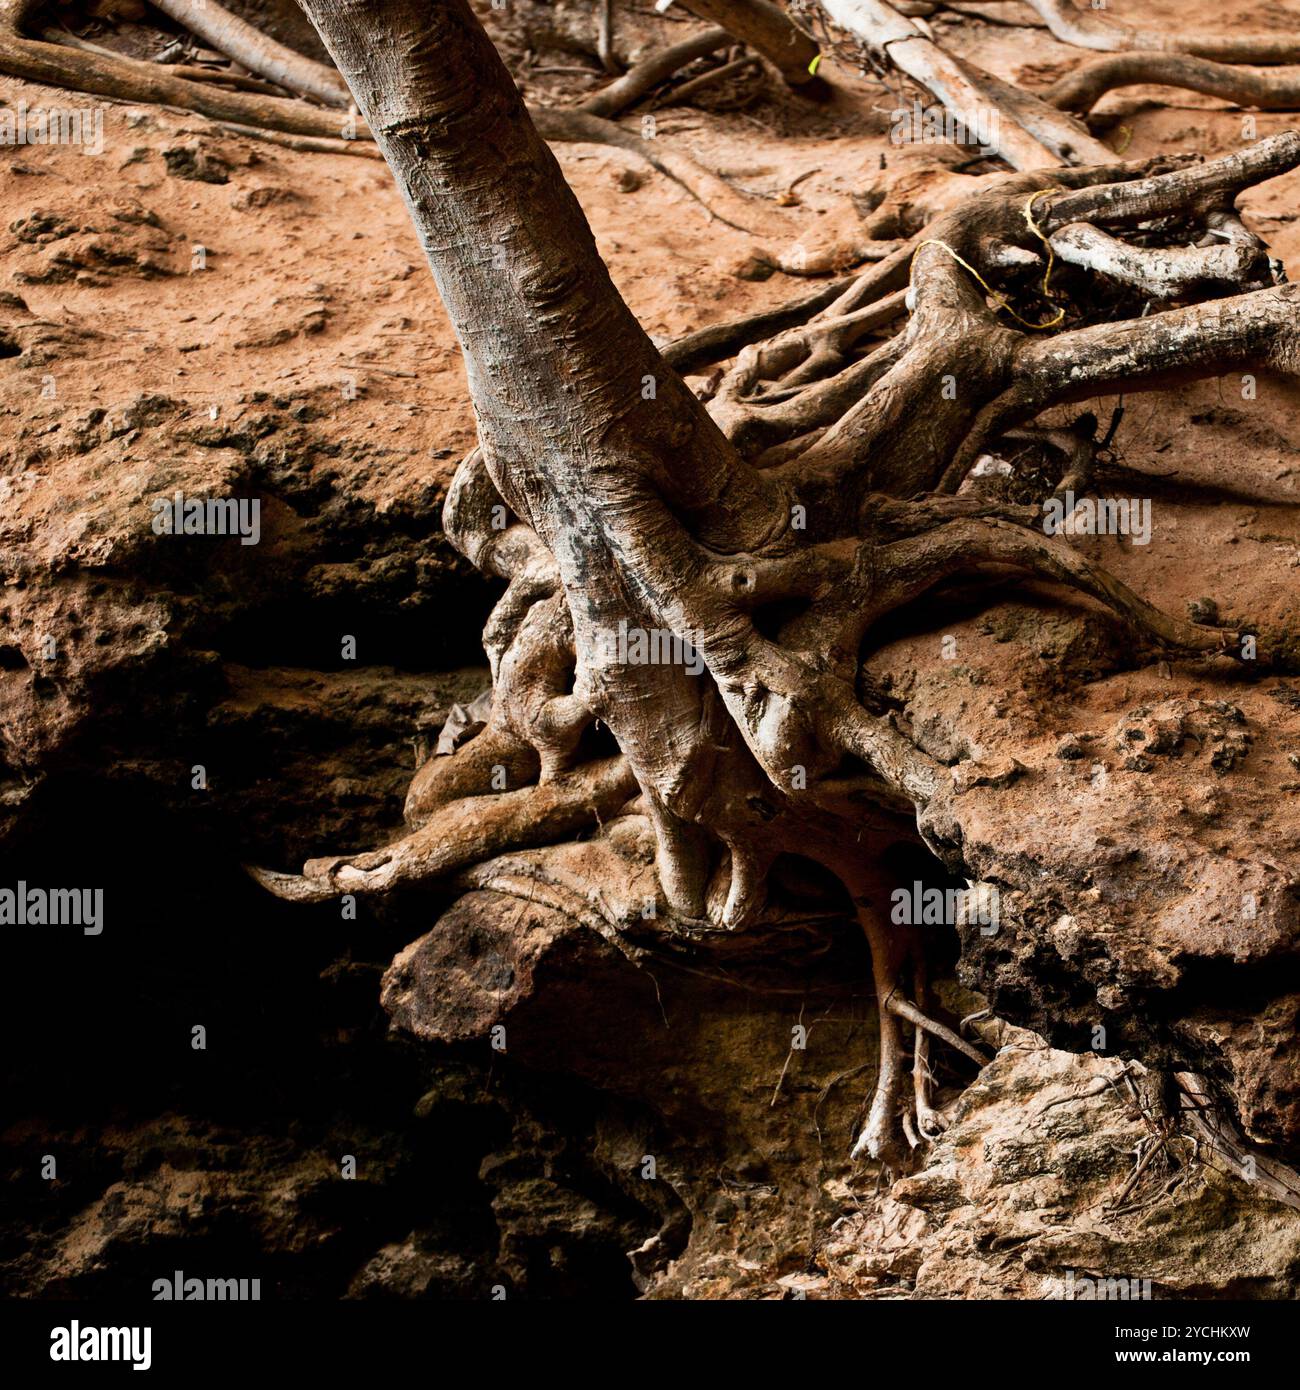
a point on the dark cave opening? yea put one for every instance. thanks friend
(226, 1160)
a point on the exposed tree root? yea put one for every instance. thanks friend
(193, 71)
(1081, 89)
(895, 39)
(659, 67)
(304, 144)
(1206, 1121)
(605, 38)
(882, 1135)
(1091, 29)
(713, 193)
(1028, 134)
(465, 832)
(707, 79)
(619, 516)
(1066, 139)
(126, 79)
(260, 54)
(1166, 273)
(924, 1024)
(767, 29)
(721, 340)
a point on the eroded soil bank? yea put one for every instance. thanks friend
(195, 311)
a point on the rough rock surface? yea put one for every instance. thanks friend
(1031, 1195)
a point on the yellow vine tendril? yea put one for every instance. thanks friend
(1000, 300)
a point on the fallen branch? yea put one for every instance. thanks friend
(637, 81)
(256, 51)
(885, 32)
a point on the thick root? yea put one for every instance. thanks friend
(1089, 29)
(229, 34)
(881, 1136)
(465, 832)
(767, 30)
(611, 514)
(1081, 89)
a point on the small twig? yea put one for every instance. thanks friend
(697, 84)
(605, 38)
(906, 1009)
(776, 1090)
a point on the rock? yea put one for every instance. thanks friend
(1216, 730)
(1029, 1195)
(998, 772)
(193, 162)
(262, 196)
(754, 265)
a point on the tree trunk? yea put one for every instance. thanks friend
(588, 436)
